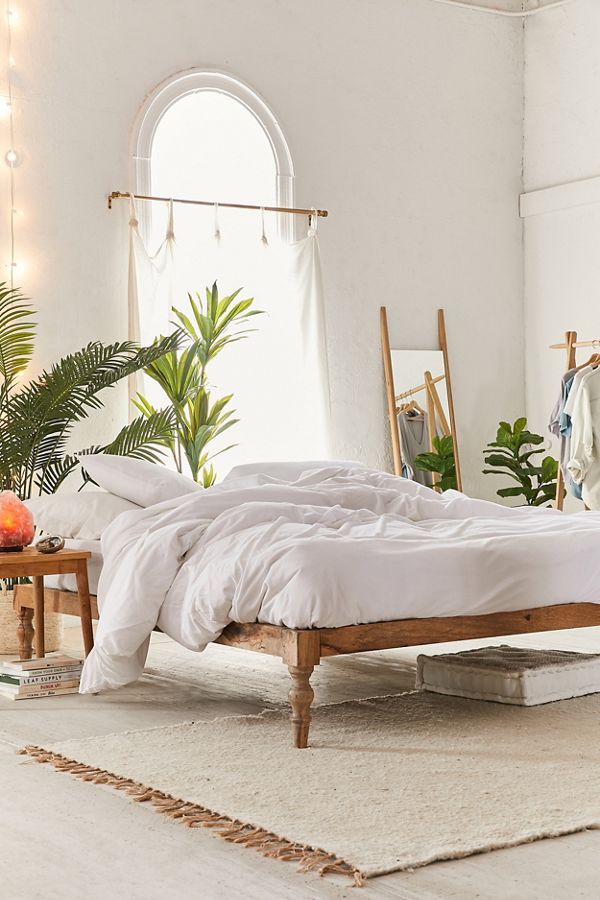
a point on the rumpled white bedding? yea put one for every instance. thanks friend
(338, 546)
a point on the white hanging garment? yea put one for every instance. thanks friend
(584, 465)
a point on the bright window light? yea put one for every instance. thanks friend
(210, 147)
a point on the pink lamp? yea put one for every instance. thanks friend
(16, 523)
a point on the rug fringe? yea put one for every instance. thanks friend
(233, 831)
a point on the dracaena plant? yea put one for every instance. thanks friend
(37, 416)
(513, 454)
(210, 325)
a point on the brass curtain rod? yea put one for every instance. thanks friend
(119, 195)
(421, 387)
(595, 343)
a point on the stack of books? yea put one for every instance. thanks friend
(25, 679)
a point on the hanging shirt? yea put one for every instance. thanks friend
(584, 465)
(561, 426)
(580, 374)
(414, 439)
(566, 431)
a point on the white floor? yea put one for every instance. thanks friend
(63, 839)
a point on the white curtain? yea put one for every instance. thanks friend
(279, 374)
(151, 280)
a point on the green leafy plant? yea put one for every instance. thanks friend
(37, 417)
(211, 324)
(513, 454)
(440, 461)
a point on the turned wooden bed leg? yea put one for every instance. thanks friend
(301, 696)
(25, 632)
(301, 652)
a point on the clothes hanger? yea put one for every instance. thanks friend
(411, 406)
(594, 359)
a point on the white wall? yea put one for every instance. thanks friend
(404, 118)
(562, 137)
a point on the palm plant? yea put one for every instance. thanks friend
(37, 417)
(211, 325)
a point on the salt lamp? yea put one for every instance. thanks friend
(16, 523)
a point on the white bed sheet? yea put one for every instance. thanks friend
(68, 582)
(337, 546)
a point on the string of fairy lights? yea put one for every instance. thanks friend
(11, 156)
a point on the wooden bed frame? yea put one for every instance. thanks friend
(301, 651)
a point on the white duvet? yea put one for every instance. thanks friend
(338, 546)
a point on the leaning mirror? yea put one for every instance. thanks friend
(421, 411)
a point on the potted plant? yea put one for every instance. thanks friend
(440, 461)
(38, 415)
(513, 454)
(210, 325)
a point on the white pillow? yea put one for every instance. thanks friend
(83, 516)
(288, 471)
(142, 482)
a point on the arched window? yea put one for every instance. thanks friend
(207, 136)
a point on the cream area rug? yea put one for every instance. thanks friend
(387, 784)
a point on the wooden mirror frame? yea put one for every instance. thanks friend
(391, 391)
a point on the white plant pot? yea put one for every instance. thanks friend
(9, 643)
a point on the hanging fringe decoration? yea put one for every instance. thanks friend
(264, 238)
(217, 231)
(193, 816)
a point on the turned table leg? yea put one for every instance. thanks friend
(85, 612)
(301, 696)
(25, 632)
(38, 615)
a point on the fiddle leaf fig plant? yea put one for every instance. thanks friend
(210, 325)
(441, 461)
(513, 454)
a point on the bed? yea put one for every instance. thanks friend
(335, 560)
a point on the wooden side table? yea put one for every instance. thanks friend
(33, 564)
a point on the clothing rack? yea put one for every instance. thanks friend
(433, 401)
(392, 397)
(434, 407)
(291, 210)
(575, 343)
(420, 387)
(435, 410)
(570, 344)
(433, 398)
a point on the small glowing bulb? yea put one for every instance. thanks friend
(12, 158)
(4, 106)
(13, 15)
(12, 62)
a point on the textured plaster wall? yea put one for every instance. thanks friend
(404, 118)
